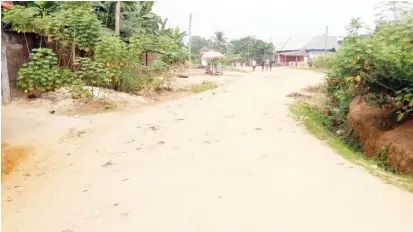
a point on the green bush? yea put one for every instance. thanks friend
(78, 91)
(76, 29)
(41, 73)
(321, 62)
(112, 52)
(380, 66)
(92, 73)
(226, 61)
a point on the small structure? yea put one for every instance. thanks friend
(297, 49)
(292, 50)
(212, 68)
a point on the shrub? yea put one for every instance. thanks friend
(41, 73)
(78, 91)
(380, 67)
(321, 62)
(92, 73)
(130, 82)
(75, 29)
(112, 52)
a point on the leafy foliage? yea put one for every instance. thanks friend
(92, 73)
(242, 49)
(220, 42)
(140, 19)
(380, 66)
(250, 48)
(392, 10)
(21, 18)
(72, 23)
(323, 62)
(199, 45)
(42, 74)
(83, 31)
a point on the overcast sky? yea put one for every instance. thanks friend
(265, 19)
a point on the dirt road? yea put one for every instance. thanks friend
(231, 159)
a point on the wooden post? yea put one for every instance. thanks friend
(5, 86)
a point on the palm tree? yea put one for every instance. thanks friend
(220, 41)
(354, 26)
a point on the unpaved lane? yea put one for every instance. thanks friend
(226, 160)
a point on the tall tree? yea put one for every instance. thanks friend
(199, 45)
(354, 26)
(220, 42)
(250, 48)
(392, 10)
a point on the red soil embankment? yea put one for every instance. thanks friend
(364, 119)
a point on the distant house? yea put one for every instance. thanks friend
(318, 45)
(298, 49)
(292, 50)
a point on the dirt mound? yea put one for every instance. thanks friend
(367, 123)
(11, 156)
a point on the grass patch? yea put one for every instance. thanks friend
(205, 86)
(315, 122)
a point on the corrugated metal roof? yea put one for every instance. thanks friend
(295, 43)
(319, 42)
(309, 43)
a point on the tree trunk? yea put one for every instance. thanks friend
(5, 86)
(73, 52)
(117, 18)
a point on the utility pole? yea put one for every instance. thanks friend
(189, 34)
(117, 18)
(325, 42)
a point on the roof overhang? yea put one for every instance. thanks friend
(305, 51)
(294, 53)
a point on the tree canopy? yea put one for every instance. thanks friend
(243, 48)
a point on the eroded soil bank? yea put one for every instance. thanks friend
(368, 124)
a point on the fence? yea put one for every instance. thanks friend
(17, 46)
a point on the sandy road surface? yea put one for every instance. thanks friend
(230, 159)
